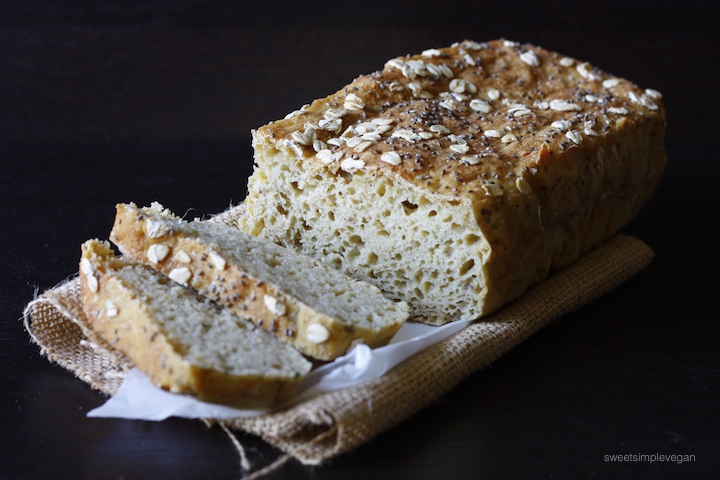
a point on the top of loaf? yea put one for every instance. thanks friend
(473, 118)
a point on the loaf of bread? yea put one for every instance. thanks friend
(456, 178)
(317, 309)
(184, 342)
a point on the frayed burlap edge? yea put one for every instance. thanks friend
(337, 422)
(56, 322)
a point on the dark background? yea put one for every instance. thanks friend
(104, 102)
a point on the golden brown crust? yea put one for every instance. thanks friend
(117, 312)
(529, 99)
(551, 154)
(228, 284)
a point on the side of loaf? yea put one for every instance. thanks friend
(182, 341)
(456, 178)
(315, 308)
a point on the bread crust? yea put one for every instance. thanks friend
(116, 310)
(228, 283)
(548, 154)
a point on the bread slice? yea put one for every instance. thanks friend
(182, 341)
(310, 305)
(456, 178)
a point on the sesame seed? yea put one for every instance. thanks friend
(493, 94)
(567, 62)
(492, 133)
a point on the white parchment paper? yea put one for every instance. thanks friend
(139, 399)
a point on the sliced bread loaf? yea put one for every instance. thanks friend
(319, 310)
(456, 178)
(181, 340)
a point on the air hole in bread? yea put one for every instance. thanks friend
(409, 207)
(471, 239)
(467, 266)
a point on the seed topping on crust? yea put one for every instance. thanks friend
(157, 252)
(317, 333)
(275, 306)
(181, 275)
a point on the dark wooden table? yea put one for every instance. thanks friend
(103, 102)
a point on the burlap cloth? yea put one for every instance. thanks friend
(339, 421)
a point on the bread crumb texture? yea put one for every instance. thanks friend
(316, 308)
(184, 342)
(456, 178)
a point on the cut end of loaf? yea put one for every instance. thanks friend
(315, 308)
(456, 178)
